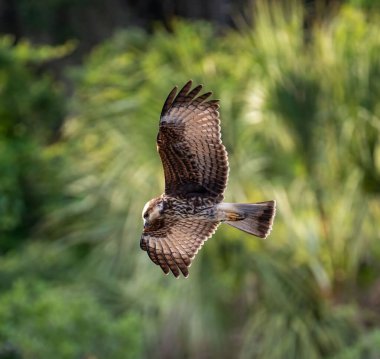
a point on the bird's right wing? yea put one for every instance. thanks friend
(189, 142)
(174, 245)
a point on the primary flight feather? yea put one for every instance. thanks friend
(195, 162)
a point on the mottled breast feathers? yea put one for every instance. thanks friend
(189, 143)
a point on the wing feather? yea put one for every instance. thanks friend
(189, 142)
(170, 260)
(174, 250)
(152, 252)
(169, 100)
(174, 246)
(195, 91)
(161, 257)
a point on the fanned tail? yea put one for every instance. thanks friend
(253, 218)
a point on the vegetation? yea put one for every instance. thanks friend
(301, 122)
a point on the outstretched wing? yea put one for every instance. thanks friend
(189, 143)
(174, 245)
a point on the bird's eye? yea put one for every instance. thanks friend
(146, 215)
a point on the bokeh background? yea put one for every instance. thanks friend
(82, 84)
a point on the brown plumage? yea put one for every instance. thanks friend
(195, 163)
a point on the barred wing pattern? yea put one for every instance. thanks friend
(175, 244)
(194, 159)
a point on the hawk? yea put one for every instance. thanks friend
(195, 162)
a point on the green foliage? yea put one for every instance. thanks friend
(366, 347)
(289, 113)
(44, 318)
(300, 120)
(38, 318)
(51, 18)
(31, 110)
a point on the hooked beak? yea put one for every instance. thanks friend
(146, 224)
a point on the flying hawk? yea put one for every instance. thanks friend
(177, 223)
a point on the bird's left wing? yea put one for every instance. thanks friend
(174, 245)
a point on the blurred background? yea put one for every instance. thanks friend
(82, 84)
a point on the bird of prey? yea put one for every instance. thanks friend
(195, 162)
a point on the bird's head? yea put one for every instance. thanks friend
(152, 212)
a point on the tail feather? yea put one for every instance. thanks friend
(253, 218)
